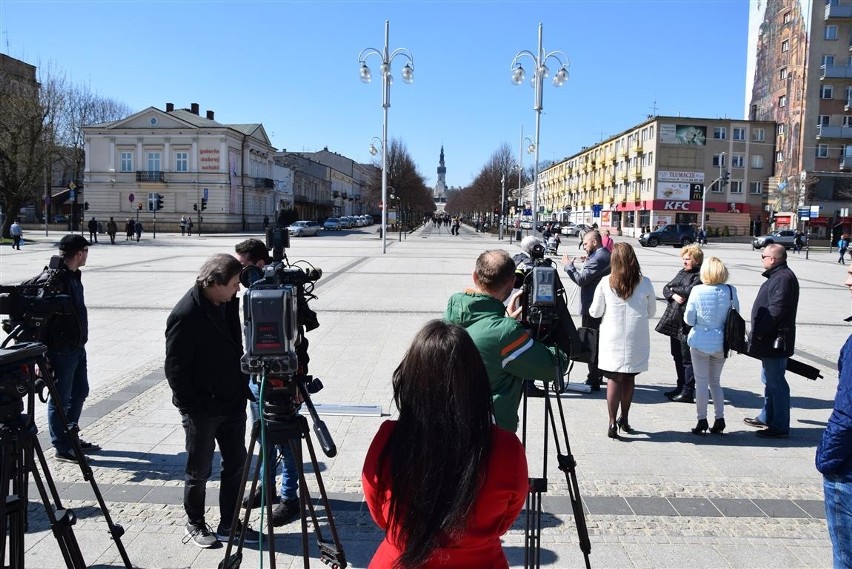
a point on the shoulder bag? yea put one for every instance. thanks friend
(735, 330)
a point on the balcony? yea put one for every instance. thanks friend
(844, 132)
(838, 12)
(151, 176)
(636, 172)
(835, 72)
(299, 198)
(264, 183)
(636, 147)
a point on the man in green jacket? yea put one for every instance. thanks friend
(510, 354)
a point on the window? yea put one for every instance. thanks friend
(736, 186)
(152, 202)
(757, 161)
(181, 162)
(788, 17)
(716, 188)
(822, 120)
(779, 156)
(154, 162)
(831, 32)
(780, 131)
(782, 101)
(847, 120)
(827, 60)
(738, 133)
(849, 92)
(738, 161)
(755, 187)
(720, 132)
(758, 134)
(782, 73)
(719, 160)
(822, 151)
(826, 91)
(126, 162)
(785, 45)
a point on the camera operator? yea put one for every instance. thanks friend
(509, 352)
(595, 267)
(203, 351)
(254, 252)
(66, 339)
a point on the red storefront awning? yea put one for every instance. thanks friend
(818, 221)
(782, 219)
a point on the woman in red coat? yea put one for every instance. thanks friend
(443, 481)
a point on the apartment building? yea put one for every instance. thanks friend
(187, 159)
(655, 172)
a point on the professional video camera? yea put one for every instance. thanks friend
(32, 304)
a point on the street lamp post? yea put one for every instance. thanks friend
(407, 76)
(540, 60)
(704, 193)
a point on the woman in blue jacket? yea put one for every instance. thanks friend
(706, 311)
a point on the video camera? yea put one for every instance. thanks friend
(32, 304)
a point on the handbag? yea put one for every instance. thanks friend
(735, 330)
(588, 345)
(671, 322)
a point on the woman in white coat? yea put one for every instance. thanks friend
(626, 301)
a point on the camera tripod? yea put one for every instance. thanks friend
(538, 486)
(22, 455)
(290, 431)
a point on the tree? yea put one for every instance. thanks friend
(407, 182)
(485, 192)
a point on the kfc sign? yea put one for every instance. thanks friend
(684, 206)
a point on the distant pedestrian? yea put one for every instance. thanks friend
(129, 229)
(702, 237)
(842, 245)
(182, 225)
(17, 234)
(112, 229)
(265, 222)
(189, 226)
(798, 241)
(138, 229)
(93, 230)
(606, 241)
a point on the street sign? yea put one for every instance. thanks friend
(72, 195)
(131, 197)
(47, 199)
(696, 191)
(804, 213)
(814, 211)
(205, 193)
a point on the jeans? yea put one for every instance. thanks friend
(72, 388)
(838, 515)
(594, 376)
(289, 474)
(776, 404)
(708, 371)
(202, 432)
(683, 364)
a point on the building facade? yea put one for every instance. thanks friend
(190, 161)
(799, 75)
(655, 173)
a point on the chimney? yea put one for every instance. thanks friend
(170, 107)
(210, 115)
(194, 108)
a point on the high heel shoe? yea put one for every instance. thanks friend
(612, 432)
(718, 426)
(624, 426)
(700, 428)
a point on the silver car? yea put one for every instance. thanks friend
(304, 228)
(786, 237)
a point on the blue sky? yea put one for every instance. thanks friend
(293, 66)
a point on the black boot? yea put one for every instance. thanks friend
(700, 428)
(718, 426)
(685, 396)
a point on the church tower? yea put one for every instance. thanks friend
(441, 185)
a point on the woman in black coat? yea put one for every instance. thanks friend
(676, 293)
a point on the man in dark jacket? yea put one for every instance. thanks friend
(595, 268)
(834, 459)
(203, 351)
(773, 339)
(66, 339)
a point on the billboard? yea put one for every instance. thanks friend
(683, 134)
(673, 191)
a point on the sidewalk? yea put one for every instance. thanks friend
(660, 498)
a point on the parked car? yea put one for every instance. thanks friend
(569, 229)
(677, 234)
(786, 237)
(526, 225)
(331, 224)
(345, 222)
(60, 218)
(304, 228)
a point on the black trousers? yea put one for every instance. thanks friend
(203, 432)
(683, 364)
(594, 374)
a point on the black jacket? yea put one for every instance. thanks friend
(203, 351)
(682, 283)
(70, 330)
(774, 313)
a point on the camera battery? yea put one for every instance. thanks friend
(270, 321)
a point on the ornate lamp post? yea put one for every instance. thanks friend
(408, 76)
(539, 58)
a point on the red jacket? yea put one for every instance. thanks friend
(500, 500)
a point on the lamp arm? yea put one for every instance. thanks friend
(362, 58)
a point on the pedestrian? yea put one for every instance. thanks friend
(842, 246)
(595, 267)
(17, 234)
(66, 339)
(189, 226)
(834, 458)
(798, 241)
(702, 237)
(606, 240)
(112, 229)
(671, 324)
(442, 481)
(202, 366)
(707, 311)
(772, 339)
(182, 224)
(265, 223)
(93, 230)
(130, 229)
(138, 229)
(625, 302)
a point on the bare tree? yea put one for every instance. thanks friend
(405, 180)
(485, 192)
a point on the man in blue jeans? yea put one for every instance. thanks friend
(834, 459)
(66, 339)
(773, 339)
(254, 252)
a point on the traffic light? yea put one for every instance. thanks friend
(139, 206)
(159, 202)
(86, 206)
(203, 204)
(195, 206)
(725, 179)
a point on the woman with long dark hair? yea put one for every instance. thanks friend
(625, 301)
(443, 481)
